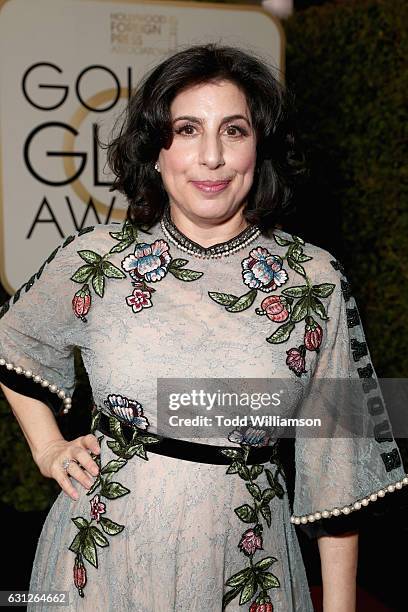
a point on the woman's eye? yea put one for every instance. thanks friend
(183, 128)
(237, 131)
(232, 130)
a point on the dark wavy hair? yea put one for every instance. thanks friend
(146, 129)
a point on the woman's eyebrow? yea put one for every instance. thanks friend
(198, 120)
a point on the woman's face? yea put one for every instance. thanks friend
(214, 142)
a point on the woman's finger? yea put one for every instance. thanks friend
(84, 459)
(90, 441)
(80, 475)
(67, 486)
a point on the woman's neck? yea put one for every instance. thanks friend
(207, 232)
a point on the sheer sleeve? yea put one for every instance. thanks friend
(353, 461)
(38, 331)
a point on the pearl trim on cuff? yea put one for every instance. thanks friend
(310, 518)
(67, 401)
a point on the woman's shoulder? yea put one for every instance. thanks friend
(301, 254)
(100, 237)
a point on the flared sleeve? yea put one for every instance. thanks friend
(38, 331)
(351, 461)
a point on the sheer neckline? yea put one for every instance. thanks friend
(220, 249)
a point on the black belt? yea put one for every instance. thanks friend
(183, 449)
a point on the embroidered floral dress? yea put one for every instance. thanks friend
(163, 534)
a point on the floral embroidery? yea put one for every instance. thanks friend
(97, 268)
(252, 436)
(89, 536)
(27, 285)
(130, 411)
(148, 263)
(97, 508)
(263, 271)
(151, 263)
(248, 581)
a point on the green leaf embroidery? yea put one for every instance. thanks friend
(83, 274)
(136, 449)
(282, 334)
(246, 513)
(226, 299)
(281, 241)
(254, 490)
(113, 490)
(80, 522)
(111, 271)
(300, 310)
(239, 578)
(243, 471)
(185, 275)
(323, 290)
(267, 495)
(244, 302)
(229, 596)
(178, 263)
(248, 590)
(268, 581)
(233, 468)
(147, 439)
(298, 239)
(98, 283)
(256, 470)
(297, 291)
(116, 430)
(302, 257)
(98, 537)
(113, 466)
(318, 307)
(263, 564)
(76, 543)
(296, 266)
(266, 513)
(109, 526)
(90, 256)
(89, 549)
(124, 244)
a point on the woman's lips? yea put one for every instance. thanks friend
(211, 187)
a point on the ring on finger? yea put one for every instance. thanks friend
(66, 462)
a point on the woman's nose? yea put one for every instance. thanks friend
(211, 151)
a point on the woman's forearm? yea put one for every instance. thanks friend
(339, 558)
(36, 420)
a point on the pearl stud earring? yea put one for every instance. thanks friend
(157, 167)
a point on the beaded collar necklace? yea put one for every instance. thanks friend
(221, 249)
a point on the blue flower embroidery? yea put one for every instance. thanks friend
(129, 411)
(251, 436)
(263, 271)
(149, 262)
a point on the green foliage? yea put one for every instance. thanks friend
(346, 64)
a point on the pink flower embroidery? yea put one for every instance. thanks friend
(139, 299)
(296, 360)
(97, 507)
(250, 542)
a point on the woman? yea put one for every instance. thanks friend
(198, 282)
